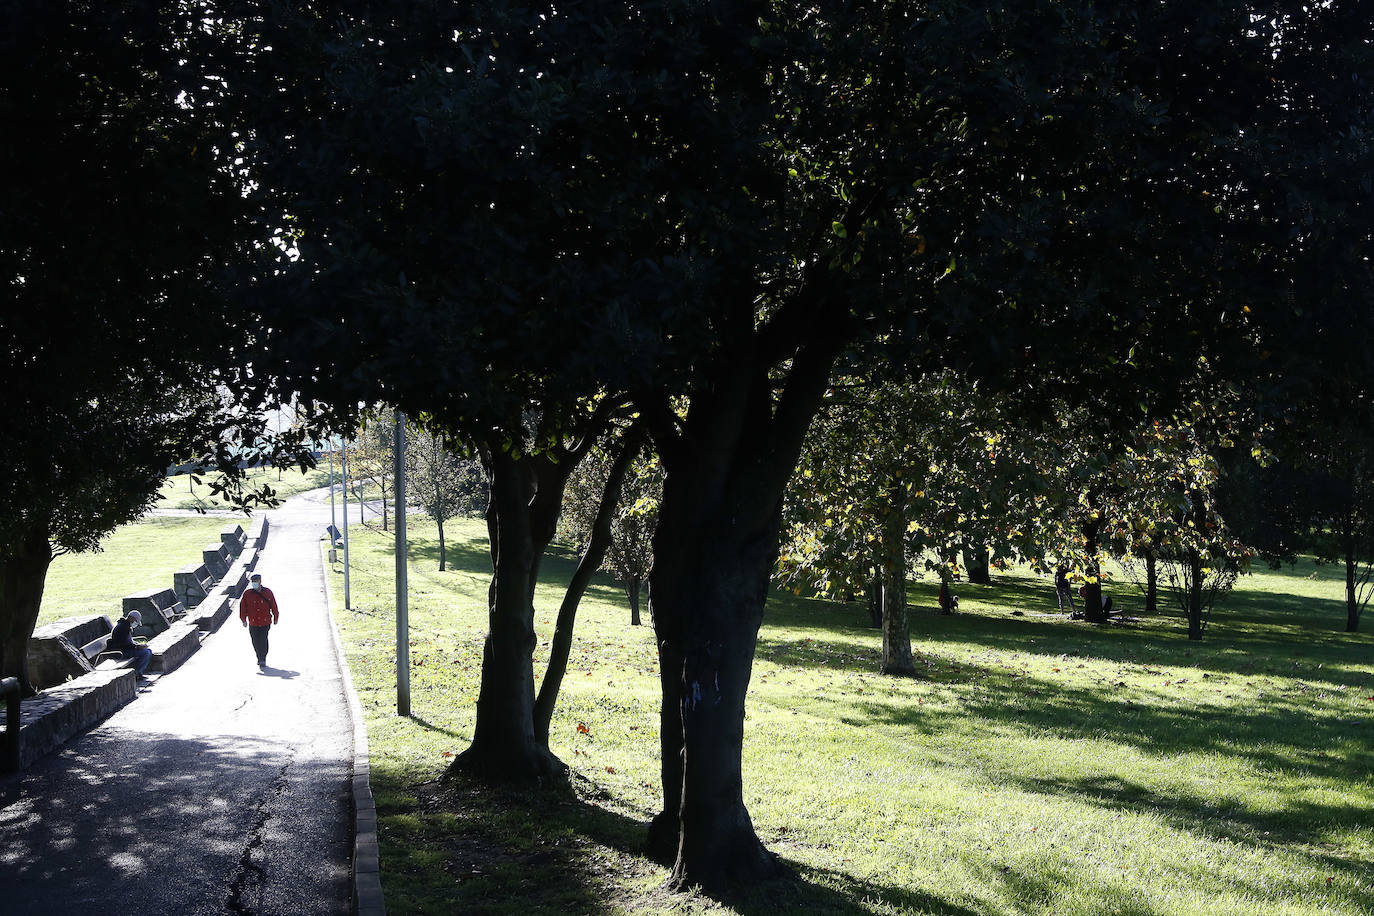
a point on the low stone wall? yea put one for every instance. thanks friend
(56, 714)
(213, 611)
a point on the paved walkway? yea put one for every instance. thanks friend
(220, 789)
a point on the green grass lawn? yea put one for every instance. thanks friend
(133, 558)
(1036, 765)
(182, 492)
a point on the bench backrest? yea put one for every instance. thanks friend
(216, 559)
(232, 538)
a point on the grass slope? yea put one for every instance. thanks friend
(182, 492)
(132, 559)
(1036, 765)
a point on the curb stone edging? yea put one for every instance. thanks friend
(367, 876)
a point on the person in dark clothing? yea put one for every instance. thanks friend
(122, 640)
(949, 602)
(1063, 590)
(258, 611)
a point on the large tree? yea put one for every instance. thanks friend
(120, 204)
(704, 206)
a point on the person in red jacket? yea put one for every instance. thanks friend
(258, 611)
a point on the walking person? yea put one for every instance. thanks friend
(122, 640)
(258, 611)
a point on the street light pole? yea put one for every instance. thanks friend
(398, 458)
(343, 468)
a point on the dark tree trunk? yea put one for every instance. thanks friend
(443, 555)
(1151, 583)
(1352, 597)
(707, 613)
(504, 745)
(727, 466)
(1194, 594)
(896, 634)
(1092, 592)
(976, 561)
(874, 599)
(597, 545)
(23, 571)
(632, 591)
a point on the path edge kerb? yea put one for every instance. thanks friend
(367, 872)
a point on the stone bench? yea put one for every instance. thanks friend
(214, 610)
(233, 538)
(192, 583)
(58, 651)
(48, 719)
(172, 648)
(257, 533)
(216, 559)
(159, 608)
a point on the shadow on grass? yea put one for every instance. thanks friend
(1280, 737)
(501, 836)
(1271, 634)
(430, 726)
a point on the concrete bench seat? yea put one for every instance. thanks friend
(216, 559)
(62, 650)
(214, 610)
(172, 648)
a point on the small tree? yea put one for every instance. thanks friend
(442, 481)
(629, 554)
(370, 458)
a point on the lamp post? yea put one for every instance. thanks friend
(343, 468)
(398, 460)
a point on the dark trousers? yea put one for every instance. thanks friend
(142, 657)
(259, 637)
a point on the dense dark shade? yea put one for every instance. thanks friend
(119, 208)
(502, 211)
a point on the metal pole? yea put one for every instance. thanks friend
(398, 460)
(343, 470)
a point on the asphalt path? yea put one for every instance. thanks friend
(220, 789)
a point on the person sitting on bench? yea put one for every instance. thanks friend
(122, 640)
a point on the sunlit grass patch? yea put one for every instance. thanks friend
(1034, 765)
(132, 558)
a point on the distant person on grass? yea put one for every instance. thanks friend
(1063, 590)
(948, 601)
(258, 611)
(122, 641)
